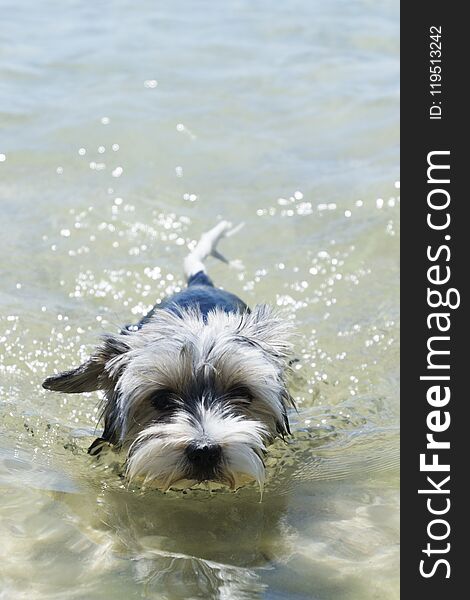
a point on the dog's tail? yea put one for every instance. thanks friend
(207, 246)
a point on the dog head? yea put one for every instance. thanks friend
(191, 398)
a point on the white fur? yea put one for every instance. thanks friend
(207, 245)
(158, 453)
(248, 349)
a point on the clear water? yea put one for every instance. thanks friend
(127, 128)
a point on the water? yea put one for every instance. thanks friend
(127, 128)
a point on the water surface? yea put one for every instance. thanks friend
(126, 129)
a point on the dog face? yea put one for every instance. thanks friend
(189, 398)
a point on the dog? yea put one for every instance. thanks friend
(196, 391)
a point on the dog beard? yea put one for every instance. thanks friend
(160, 452)
(192, 398)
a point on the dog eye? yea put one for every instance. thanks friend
(162, 400)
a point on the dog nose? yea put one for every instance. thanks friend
(204, 456)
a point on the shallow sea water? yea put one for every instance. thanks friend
(127, 128)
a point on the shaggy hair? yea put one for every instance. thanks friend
(189, 380)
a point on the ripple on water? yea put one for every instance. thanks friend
(113, 265)
(101, 200)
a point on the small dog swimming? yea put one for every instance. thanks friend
(196, 391)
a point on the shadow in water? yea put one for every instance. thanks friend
(192, 545)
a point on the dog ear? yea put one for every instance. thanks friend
(85, 378)
(91, 375)
(270, 331)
